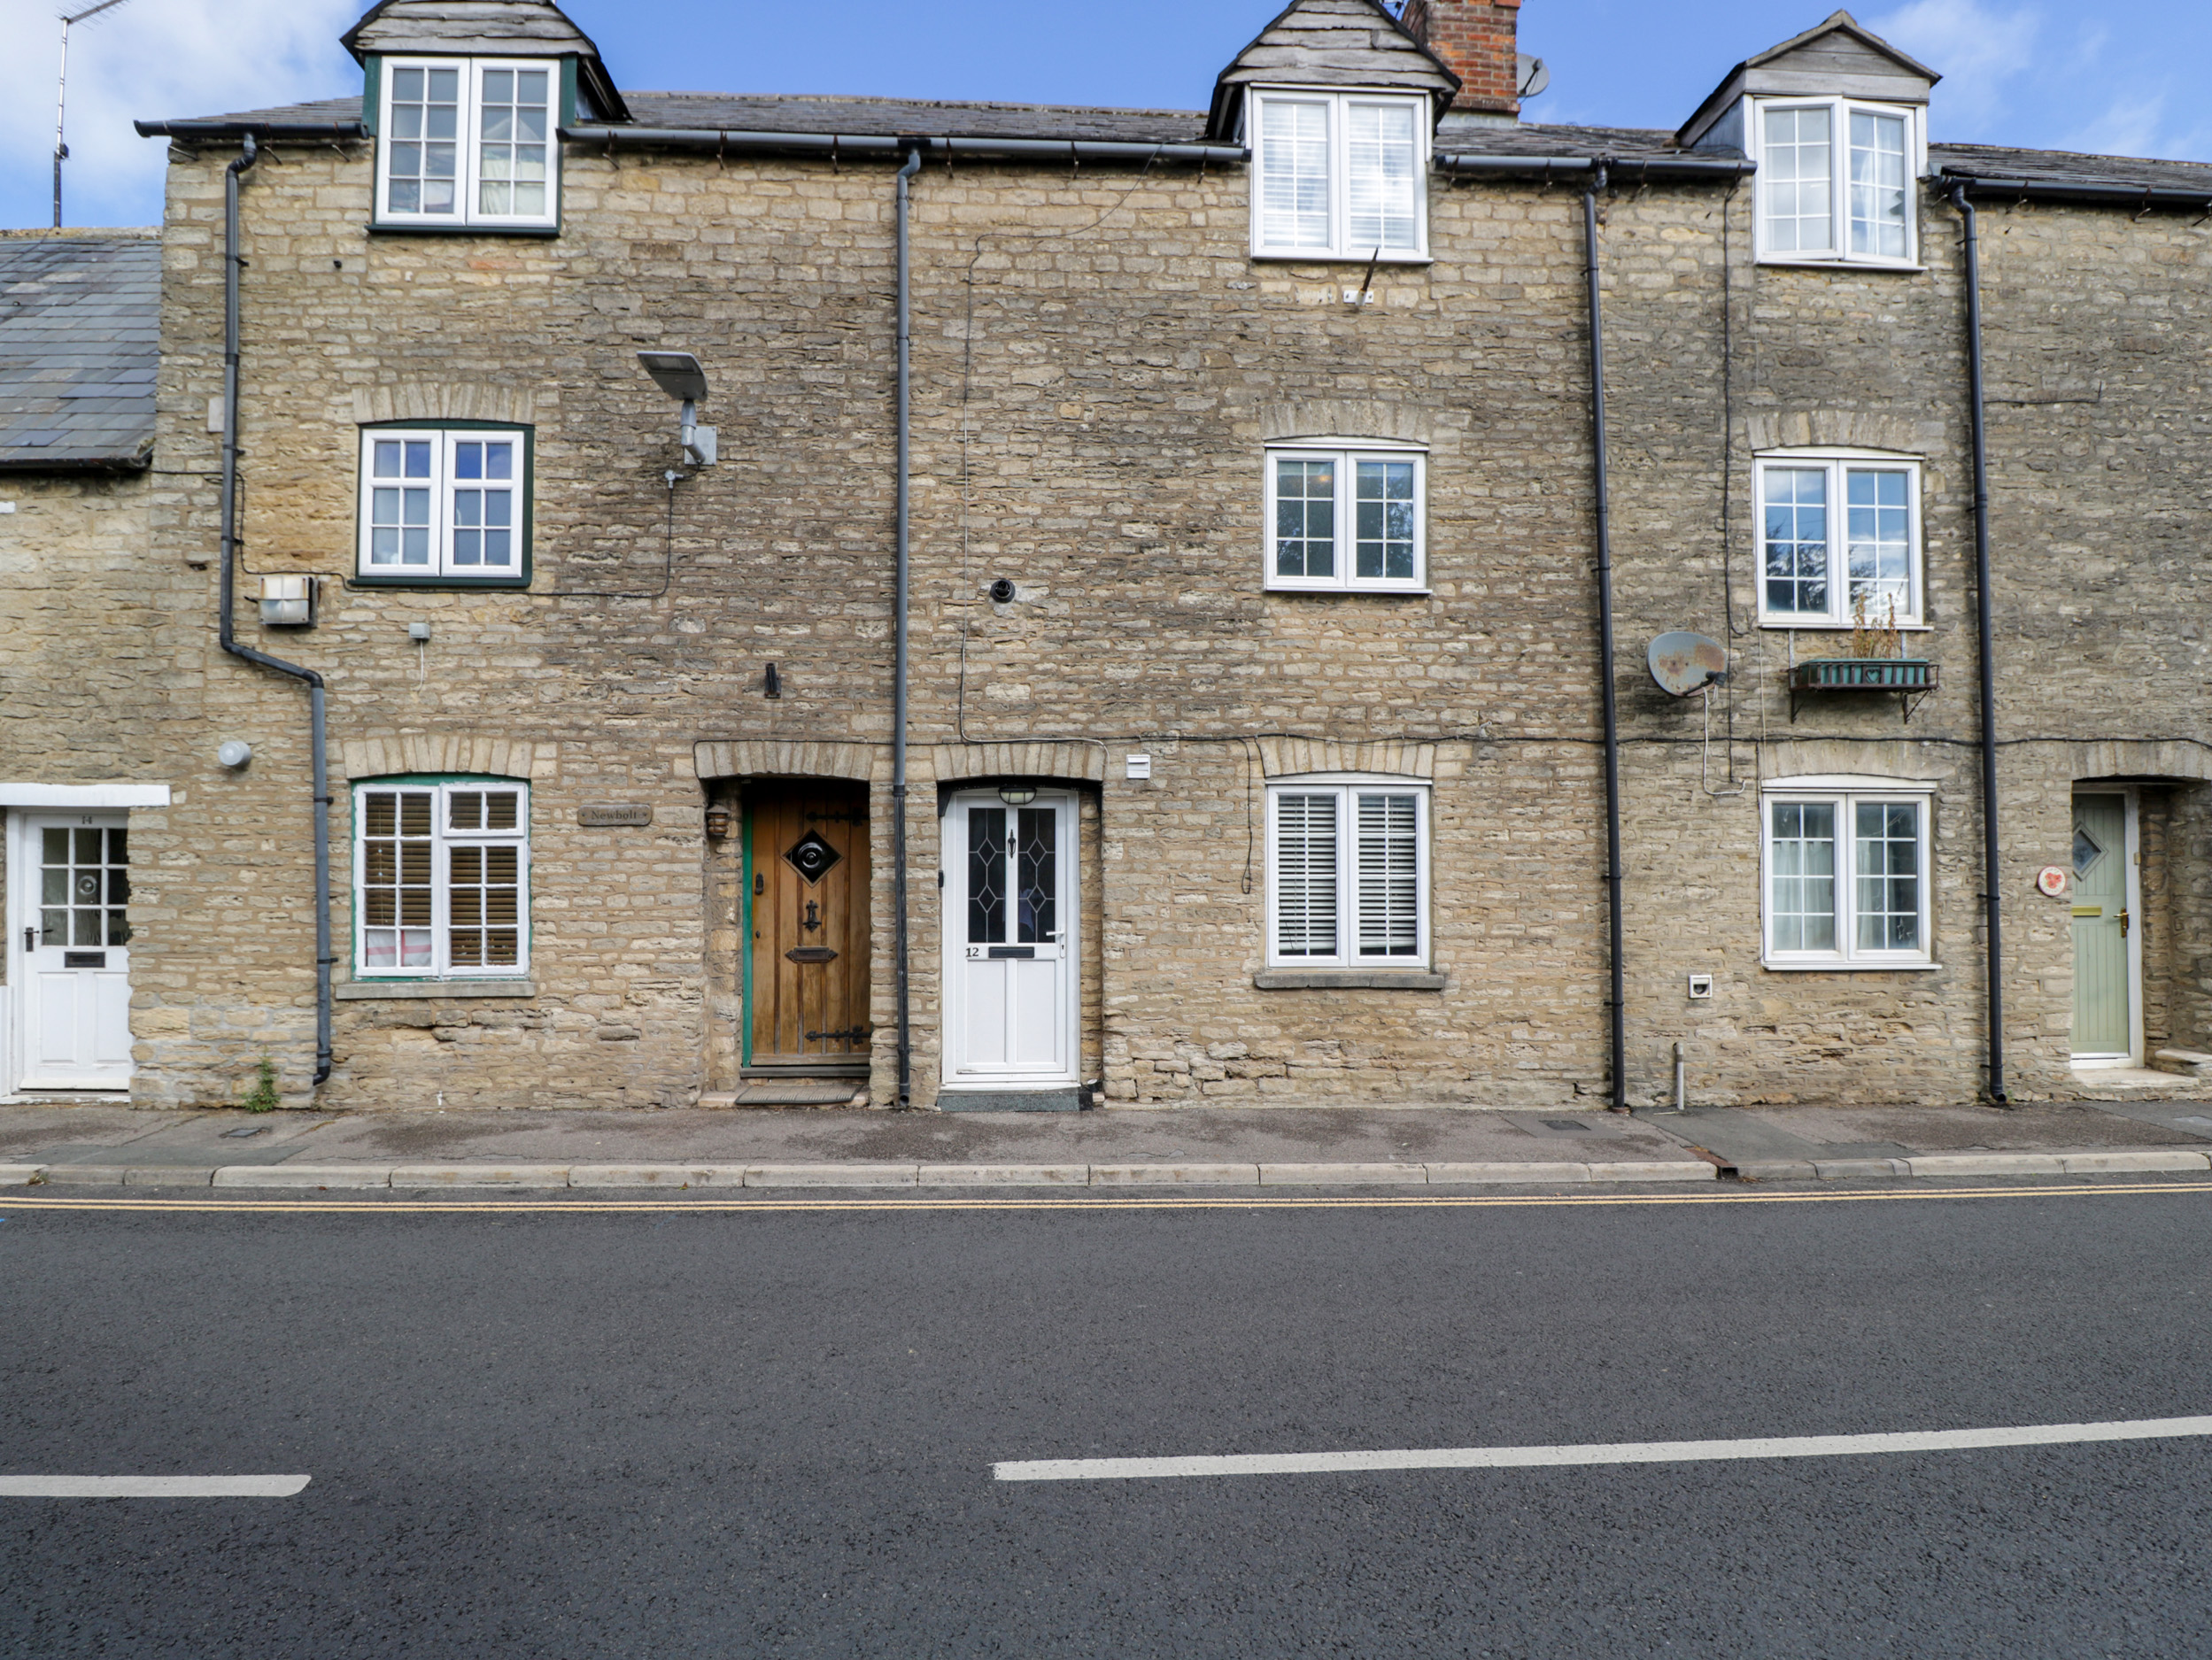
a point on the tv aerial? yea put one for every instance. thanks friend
(1685, 664)
(61, 92)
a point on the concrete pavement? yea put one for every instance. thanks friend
(1414, 1147)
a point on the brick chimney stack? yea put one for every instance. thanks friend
(1477, 41)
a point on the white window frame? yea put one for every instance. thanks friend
(443, 839)
(469, 175)
(1338, 103)
(1347, 453)
(1845, 794)
(1840, 110)
(1839, 464)
(442, 485)
(1346, 788)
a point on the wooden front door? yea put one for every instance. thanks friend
(805, 879)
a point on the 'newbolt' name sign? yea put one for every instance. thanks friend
(609, 815)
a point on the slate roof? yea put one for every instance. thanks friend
(786, 113)
(80, 343)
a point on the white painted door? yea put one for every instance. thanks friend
(72, 882)
(1011, 958)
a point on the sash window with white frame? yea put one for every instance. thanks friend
(1339, 176)
(1348, 874)
(440, 504)
(1345, 519)
(469, 142)
(1835, 181)
(1839, 539)
(441, 883)
(1847, 877)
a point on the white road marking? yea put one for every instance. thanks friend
(152, 1486)
(1613, 1452)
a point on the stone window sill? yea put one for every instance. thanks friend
(395, 990)
(1349, 980)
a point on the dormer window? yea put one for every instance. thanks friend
(1835, 181)
(469, 142)
(1339, 176)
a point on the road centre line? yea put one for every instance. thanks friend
(152, 1486)
(1615, 1453)
(585, 1207)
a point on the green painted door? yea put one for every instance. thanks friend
(2101, 1022)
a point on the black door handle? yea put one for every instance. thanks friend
(30, 939)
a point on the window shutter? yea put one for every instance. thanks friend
(1389, 876)
(1305, 875)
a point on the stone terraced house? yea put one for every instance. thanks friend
(985, 606)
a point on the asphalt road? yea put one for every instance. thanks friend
(771, 1432)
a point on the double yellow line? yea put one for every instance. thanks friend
(625, 1207)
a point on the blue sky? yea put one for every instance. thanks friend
(2123, 76)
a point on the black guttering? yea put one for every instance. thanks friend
(1991, 852)
(1615, 169)
(193, 131)
(891, 146)
(2088, 192)
(317, 726)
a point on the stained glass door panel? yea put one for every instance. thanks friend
(1009, 952)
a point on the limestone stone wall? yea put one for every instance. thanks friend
(1097, 365)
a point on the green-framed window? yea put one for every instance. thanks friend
(445, 505)
(441, 878)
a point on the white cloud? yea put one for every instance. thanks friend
(1975, 47)
(150, 59)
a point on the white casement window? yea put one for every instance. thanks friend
(469, 141)
(444, 504)
(1339, 176)
(1839, 539)
(1846, 874)
(1836, 181)
(1348, 873)
(1343, 517)
(441, 879)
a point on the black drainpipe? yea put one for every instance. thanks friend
(1984, 632)
(232, 261)
(912, 165)
(1618, 1000)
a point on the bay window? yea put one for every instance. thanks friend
(1847, 876)
(441, 878)
(1836, 181)
(1348, 873)
(1839, 539)
(1339, 176)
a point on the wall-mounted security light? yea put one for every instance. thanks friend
(679, 375)
(235, 753)
(288, 602)
(1003, 591)
(718, 822)
(1018, 795)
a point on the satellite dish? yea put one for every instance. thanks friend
(1683, 663)
(1533, 75)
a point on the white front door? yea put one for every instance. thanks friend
(1010, 988)
(71, 881)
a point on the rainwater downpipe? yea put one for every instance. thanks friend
(232, 262)
(1985, 635)
(906, 170)
(1617, 1000)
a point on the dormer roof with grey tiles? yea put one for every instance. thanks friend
(1836, 58)
(79, 347)
(1351, 43)
(485, 29)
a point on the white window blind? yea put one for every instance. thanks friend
(1340, 175)
(1333, 904)
(441, 879)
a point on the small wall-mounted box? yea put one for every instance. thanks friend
(1140, 767)
(288, 602)
(1701, 985)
